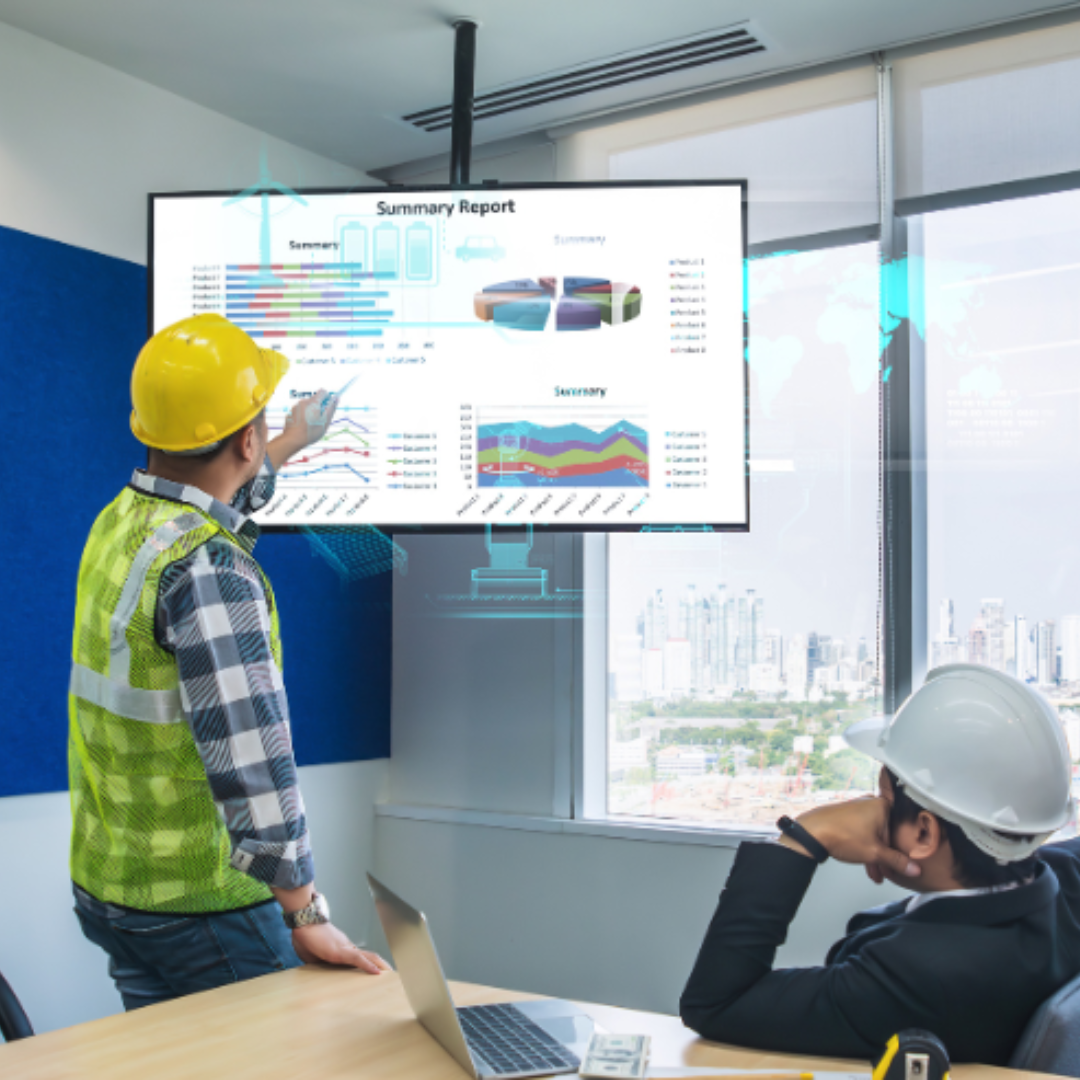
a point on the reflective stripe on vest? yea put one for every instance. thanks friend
(114, 692)
(150, 706)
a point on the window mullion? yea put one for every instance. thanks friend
(903, 492)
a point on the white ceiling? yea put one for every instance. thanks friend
(335, 76)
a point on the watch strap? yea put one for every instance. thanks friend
(315, 913)
(797, 833)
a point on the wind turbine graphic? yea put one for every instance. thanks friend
(263, 187)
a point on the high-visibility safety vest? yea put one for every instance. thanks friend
(146, 833)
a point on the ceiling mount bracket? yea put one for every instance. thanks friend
(461, 126)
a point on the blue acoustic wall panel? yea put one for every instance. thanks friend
(71, 324)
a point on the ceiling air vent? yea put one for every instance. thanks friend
(617, 71)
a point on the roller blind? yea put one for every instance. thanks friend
(808, 150)
(988, 113)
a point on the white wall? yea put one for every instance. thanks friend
(596, 918)
(81, 145)
(586, 917)
(531, 164)
(61, 978)
(476, 701)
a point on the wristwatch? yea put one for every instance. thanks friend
(318, 911)
(814, 847)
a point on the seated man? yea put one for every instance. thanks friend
(975, 780)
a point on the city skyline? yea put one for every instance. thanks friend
(1044, 651)
(717, 642)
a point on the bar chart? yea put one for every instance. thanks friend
(303, 300)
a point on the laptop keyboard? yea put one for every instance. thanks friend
(511, 1043)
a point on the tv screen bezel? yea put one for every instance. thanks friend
(489, 188)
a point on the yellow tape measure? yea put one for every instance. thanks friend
(913, 1055)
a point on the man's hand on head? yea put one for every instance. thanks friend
(856, 831)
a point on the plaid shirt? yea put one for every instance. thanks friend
(212, 615)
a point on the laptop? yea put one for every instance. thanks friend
(526, 1038)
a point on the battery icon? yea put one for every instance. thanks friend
(386, 253)
(418, 252)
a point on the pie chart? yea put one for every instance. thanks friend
(585, 303)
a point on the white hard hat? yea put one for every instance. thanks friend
(981, 750)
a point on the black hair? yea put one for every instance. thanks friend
(973, 868)
(217, 449)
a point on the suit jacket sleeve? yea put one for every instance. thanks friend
(734, 995)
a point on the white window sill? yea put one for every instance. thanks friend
(615, 829)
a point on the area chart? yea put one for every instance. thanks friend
(524, 454)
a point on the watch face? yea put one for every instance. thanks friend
(322, 908)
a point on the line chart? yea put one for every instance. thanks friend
(347, 456)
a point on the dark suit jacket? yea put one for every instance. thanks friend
(970, 969)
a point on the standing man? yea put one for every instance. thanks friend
(190, 852)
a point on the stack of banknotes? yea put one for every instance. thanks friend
(625, 1056)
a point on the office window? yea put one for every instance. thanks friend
(1003, 442)
(808, 150)
(813, 172)
(990, 112)
(735, 661)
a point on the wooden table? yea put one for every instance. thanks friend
(327, 1023)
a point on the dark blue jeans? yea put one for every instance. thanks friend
(156, 958)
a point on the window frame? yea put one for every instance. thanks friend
(903, 484)
(588, 757)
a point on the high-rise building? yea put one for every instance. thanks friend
(765, 679)
(946, 625)
(833, 652)
(655, 629)
(731, 621)
(677, 667)
(757, 625)
(1070, 648)
(1021, 647)
(698, 636)
(947, 651)
(743, 643)
(946, 647)
(652, 673)
(817, 652)
(718, 638)
(627, 666)
(977, 645)
(1045, 654)
(772, 649)
(993, 617)
(796, 671)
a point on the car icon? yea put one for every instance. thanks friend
(480, 247)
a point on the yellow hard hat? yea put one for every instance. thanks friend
(198, 381)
